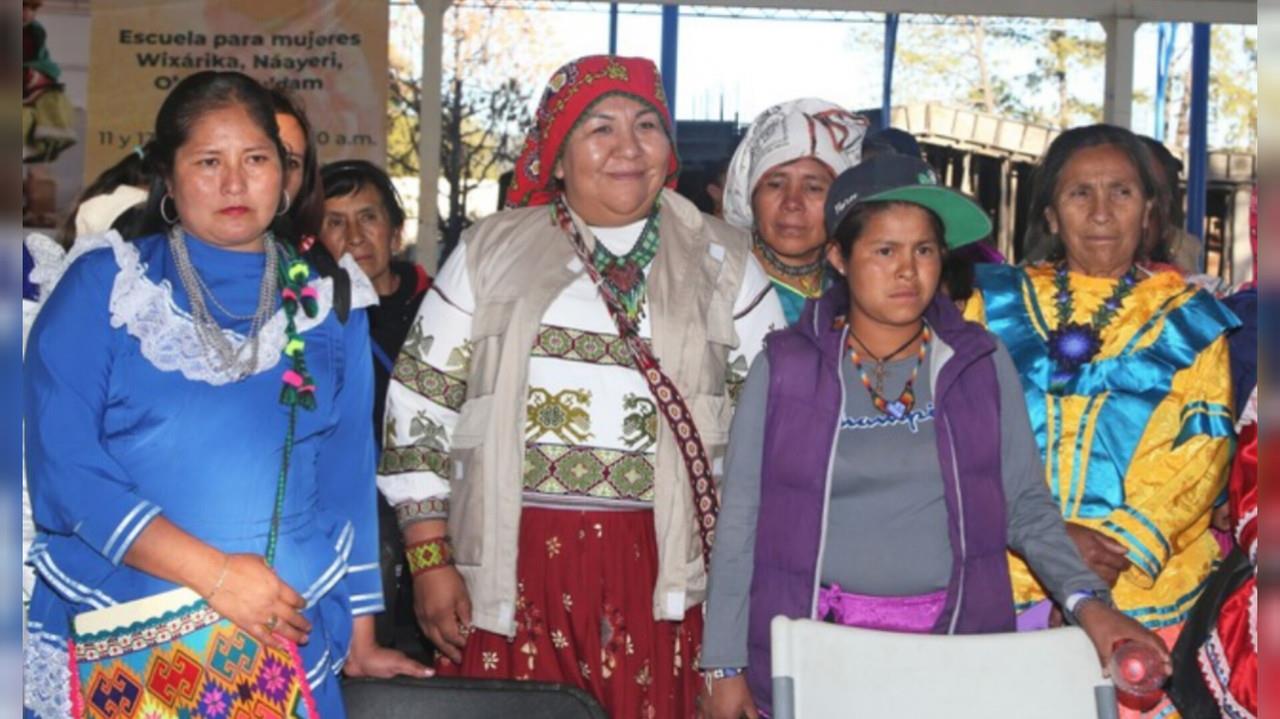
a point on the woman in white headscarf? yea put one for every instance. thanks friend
(777, 184)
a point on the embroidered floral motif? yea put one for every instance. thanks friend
(490, 660)
(613, 638)
(437, 386)
(644, 677)
(530, 620)
(640, 425)
(553, 547)
(558, 639)
(559, 415)
(567, 601)
(588, 472)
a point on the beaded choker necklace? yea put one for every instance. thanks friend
(907, 398)
(1073, 344)
(807, 279)
(625, 275)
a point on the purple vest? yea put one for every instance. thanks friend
(805, 404)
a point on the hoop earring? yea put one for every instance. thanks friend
(166, 217)
(282, 211)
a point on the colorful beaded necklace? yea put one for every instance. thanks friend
(1074, 344)
(907, 399)
(805, 279)
(625, 275)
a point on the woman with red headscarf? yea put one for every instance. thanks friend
(558, 412)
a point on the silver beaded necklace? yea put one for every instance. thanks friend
(226, 356)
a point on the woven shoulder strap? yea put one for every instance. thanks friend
(670, 402)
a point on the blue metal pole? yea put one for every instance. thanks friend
(1198, 152)
(890, 50)
(1167, 35)
(613, 28)
(670, 44)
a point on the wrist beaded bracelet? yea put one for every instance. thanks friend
(222, 577)
(711, 676)
(431, 554)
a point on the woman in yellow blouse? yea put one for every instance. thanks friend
(1124, 367)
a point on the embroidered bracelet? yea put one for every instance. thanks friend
(722, 672)
(431, 554)
(413, 511)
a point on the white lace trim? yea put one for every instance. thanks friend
(46, 670)
(1241, 524)
(51, 261)
(167, 334)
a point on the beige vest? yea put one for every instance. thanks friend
(519, 262)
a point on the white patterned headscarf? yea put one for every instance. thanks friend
(807, 127)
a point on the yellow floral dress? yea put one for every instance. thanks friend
(1137, 444)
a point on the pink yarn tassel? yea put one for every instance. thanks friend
(293, 379)
(309, 291)
(77, 700)
(301, 671)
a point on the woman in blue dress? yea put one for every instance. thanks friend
(155, 428)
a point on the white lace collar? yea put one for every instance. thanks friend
(167, 335)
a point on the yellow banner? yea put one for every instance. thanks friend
(331, 54)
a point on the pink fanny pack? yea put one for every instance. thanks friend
(915, 613)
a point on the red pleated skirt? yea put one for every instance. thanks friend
(584, 617)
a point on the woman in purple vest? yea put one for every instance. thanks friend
(884, 421)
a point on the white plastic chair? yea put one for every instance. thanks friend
(825, 670)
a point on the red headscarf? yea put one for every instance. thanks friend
(570, 92)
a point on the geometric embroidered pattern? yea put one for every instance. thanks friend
(183, 666)
(397, 460)
(437, 386)
(589, 472)
(409, 512)
(581, 346)
(431, 554)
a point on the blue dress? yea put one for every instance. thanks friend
(126, 421)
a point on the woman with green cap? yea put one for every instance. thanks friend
(882, 420)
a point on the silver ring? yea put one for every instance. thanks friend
(272, 622)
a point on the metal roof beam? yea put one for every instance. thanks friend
(1211, 11)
